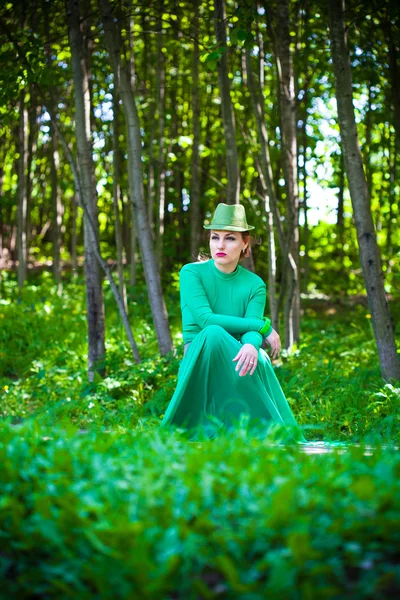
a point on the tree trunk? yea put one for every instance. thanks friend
(21, 193)
(161, 138)
(392, 166)
(102, 263)
(340, 208)
(94, 293)
(366, 235)
(195, 188)
(306, 236)
(152, 275)
(391, 35)
(287, 103)
(33, 115)
(133, 249)
(270, 200)
(228, 116)
(74, 260)
(56, 207)
(116, 198)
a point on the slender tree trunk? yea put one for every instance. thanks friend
(102, 263)
(195, 187)
(152, 275)
(116, 198)
(393, 153)
(366, 235)
(133, 249)
(228, 116)
(273, 304)
(33, 115)
(152, 127)
(74, 260)
(368, 137)
(394, 73)
(287, 103)
(22, 191)
(270, 199)
(391, 35)
(340, 208)
(94, 293)
(56, 207)
(306, 236)
(161, 139)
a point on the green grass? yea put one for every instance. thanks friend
(332, 380)
(149, 515)
(98, 502)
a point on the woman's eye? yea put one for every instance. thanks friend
(214, 237)
(232, 239)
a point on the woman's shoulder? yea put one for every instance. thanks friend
(251, 278)
(196, 266)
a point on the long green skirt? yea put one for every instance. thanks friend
(211, 395)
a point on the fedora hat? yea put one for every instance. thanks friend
(229, 217)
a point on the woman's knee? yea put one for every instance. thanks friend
(215, 334)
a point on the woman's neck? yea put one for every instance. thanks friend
(226, 268)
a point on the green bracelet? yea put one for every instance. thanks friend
(265, 327)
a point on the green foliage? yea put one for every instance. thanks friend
(332, 379)
(149, 515)
(43, 352)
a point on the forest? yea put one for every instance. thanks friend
(122, 125)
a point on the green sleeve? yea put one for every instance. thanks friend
(193, 295)
(255, 308)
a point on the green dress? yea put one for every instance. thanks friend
(220, 312)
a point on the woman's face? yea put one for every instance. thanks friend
(226, 248)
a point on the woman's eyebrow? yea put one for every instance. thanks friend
(225, 235)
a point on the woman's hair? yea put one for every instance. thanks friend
(252, 241)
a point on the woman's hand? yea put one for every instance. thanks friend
(247, 358)
(275, 342)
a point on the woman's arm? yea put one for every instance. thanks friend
(255, 308)
(195, 298)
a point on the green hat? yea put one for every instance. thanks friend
(229, 217)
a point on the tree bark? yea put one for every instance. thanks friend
(22, 191)
(391, 35)
(306, 236)
(195, 187)
(33, 115)
(161, 138)
(74, 211)
(94, 293)
(270, 199)
(228, 116)
(288, 127)
(133, 249)
(116, 198)
(152, 276)
(366, 235)
(102, 263)
(56, 207)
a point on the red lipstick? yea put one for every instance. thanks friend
(220, 254)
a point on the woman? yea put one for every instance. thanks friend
(224, 373)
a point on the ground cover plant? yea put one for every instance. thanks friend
(332, 380)
(99, 502)
(149, 515)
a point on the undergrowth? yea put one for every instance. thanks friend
(332, 380)
(149, 515)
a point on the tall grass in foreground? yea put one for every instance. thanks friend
(149, 515)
